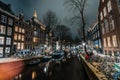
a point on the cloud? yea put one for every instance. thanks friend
(41, 6)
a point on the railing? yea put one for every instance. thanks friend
(92, 72)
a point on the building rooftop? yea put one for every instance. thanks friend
(6, 7)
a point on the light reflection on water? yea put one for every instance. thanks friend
(10, 70)
(34, 75)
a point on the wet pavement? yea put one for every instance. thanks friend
(70, 70)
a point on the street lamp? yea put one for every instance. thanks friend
(83, 46)
(83, 43)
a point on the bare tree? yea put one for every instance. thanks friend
(50, 20)
(62, 31)
(78, 6)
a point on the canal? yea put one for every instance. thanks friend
(70, 70)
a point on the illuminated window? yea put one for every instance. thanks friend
(23, 38)
(2, 29)
(108, 40)
(35, 33)
(9, 31)
(18, 46)
(19, 37)
(10, 21)
(23, 30)
(109, 6)
(35, 39)
(114, 39)
(20, 30)
(22, 45)
(1, 40)
(105, 11)
(3, 18)
(105, 45)
(101, 15)
(7, 50)
(8, 41)
(15, 36)
(1, 50)
(16, 28)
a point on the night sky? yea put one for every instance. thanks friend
(27, 7)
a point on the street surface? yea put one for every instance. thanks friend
(71, 70)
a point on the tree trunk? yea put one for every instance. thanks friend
(84, 37)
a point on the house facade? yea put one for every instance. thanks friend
(6, 29)
(94, 36)
(110, 26)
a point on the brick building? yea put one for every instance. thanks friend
(6, 29)
(19, 33)
(110, 26)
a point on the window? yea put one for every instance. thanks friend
(2, 29)
(101, 16)
(108, 40)
(23, 38)
(20, 30)
(23, 30)
(95, 35)
(19, 37)
(112, 25)
(35, 33)
(105, 45)
(16, 28)
(10, 21)
(114, 39)
(8, 41)
(1, 40)
(109, 6)
(35, 39)
(103, 29)
(105, 11)
(106, 25)
(9, 31)
(3, 18)
(18, 46)
(98, 34)
(1, 51)
(7, 50)
(22, 45)
(15, 36)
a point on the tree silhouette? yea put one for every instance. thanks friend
(63, 32)
(78, 6)
(50, 20)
